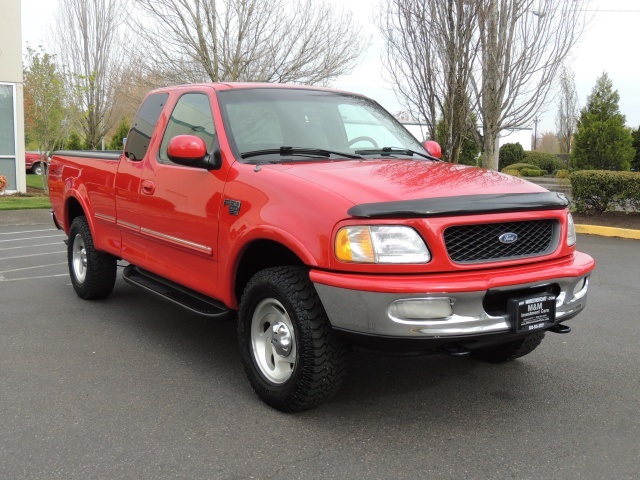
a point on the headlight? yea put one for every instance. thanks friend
(381, 244)
(571, 231)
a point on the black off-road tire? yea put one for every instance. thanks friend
(93, 273)
(509, 351)
(315, 367)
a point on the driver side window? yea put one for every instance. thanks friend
(191, 116)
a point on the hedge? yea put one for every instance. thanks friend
(524, 170)
(512, 171)
(519, 166)
(596, 191)
(532, 172)
(544, 161)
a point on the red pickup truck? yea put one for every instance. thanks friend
(33, 162)
(315, 219)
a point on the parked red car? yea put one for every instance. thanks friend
(33, 162)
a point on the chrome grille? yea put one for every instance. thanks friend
(481, 243)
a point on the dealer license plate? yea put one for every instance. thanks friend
(532, 313)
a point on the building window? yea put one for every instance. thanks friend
(7, 134)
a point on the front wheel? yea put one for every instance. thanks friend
(509, 351)
(93, 273)
(289, 351)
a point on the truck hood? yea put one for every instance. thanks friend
(370, 181)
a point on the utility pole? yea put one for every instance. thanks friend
(535, 132)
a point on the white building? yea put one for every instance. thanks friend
(11, 97)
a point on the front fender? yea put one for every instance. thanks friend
(244, 241)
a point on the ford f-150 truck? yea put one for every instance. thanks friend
(33, 162)
(319, 223)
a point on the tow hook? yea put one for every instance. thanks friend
(455, 351)
(560, 329)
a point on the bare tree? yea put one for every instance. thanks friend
(301, 41)
(515, 50)
(568, 110)
(429, 55)
(88, 45)
(523, 44)
(548, 143)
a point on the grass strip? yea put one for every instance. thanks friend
(15, 202)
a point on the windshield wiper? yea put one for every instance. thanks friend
(385, 151)
(288, 151)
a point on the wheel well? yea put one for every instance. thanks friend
(260, 255)
(74, 209)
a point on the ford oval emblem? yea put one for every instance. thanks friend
(508, 237)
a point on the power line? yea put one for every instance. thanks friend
(611, 11)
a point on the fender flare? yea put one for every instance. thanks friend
(241, 244)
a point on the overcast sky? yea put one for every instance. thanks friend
(610, 44)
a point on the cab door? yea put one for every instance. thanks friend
(127, 184)
(179, 206)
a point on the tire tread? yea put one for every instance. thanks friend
(322, 359)
(101, 267)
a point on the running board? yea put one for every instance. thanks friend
(174, 293)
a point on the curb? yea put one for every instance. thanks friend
(608, 231)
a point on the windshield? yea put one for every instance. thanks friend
(261, 122)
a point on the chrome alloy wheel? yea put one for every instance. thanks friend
(79, 258)
(273, 341)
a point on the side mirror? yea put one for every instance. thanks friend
(191, 151)
(433, 148)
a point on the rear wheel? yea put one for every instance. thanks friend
(289, 351)
(93, 273)
(37, 168)
(509, 351)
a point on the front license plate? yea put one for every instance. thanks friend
(529, 314)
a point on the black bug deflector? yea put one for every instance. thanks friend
(462, 205)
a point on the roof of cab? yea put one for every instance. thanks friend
(221, 86)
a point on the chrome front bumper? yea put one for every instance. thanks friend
(367, 312)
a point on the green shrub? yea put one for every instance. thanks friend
(544, 161)
(520, 166)
(532, 172)
(511, 171)
(562, 174)
(117, 141)
(74, 142)
(509, 154)
(595, 191)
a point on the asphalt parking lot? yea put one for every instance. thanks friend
(130, 387)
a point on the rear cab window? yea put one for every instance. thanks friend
(143, 125)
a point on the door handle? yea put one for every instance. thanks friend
(148, 187)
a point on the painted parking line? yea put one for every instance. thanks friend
(28, 238)
(2, 279)
(29, 246)
(33, 255)
(30, 231)
(24, 269)
(31, 268)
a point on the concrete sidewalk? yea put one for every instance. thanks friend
(42, 216)
(25, 217)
